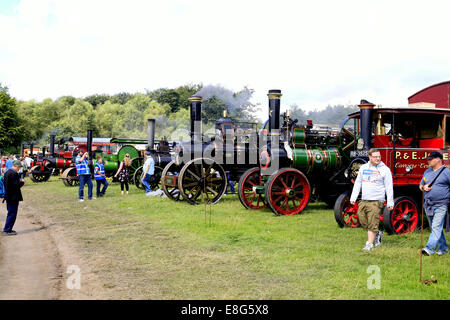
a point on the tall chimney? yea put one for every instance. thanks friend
(22, 147)
(274, 109)
(150, 133)
(31, 149)
(366, 111)
(52, 144)
(195, 104)
(89, 144)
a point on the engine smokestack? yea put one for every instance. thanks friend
(52, 144)
(89, 144)
(366, 111)
(195, 104)
(150, 133)
(274, 109)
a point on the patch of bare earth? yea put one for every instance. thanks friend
(39, 261)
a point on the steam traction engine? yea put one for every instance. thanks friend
(160, 153)
(295, 164)
(198, 172)
(405, 137)
(42, 169)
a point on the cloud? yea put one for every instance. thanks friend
(317, 52)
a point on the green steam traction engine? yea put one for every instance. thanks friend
(110, 161)
(296, 164)
(160, 151)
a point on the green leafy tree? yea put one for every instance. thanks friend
(176, 98)
(121, 97)
(11, 128)
(77, 119)
(97, 99)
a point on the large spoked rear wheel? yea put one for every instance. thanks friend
(137, 178)
(169, 181)
(287, 191)
(69, 177)
(249, 189)
(404, 218)
(135, 164)
(155, 181)
(345, 213)
(36, 175)
(202, 181)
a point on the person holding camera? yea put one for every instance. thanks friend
(84, 175)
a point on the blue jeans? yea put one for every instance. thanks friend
(11, 217)
(146, 182)
(230, 183)
(437, 237)
(99, 184)
(85, 179)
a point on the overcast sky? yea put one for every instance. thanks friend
(316, 52)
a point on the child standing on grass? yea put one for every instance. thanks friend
(123, 173)
(100, 177)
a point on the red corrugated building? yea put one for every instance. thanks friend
(439, 94)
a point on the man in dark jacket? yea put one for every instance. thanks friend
(13, 195)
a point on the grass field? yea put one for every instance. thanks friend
(154, 248)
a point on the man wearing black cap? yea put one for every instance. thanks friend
(13, 195)
(436, 187)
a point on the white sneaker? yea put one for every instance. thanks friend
(378, 238)
(148, 193)
(368, 247)
(81, 200)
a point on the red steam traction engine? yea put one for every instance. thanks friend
(405, 137)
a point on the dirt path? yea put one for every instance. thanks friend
(29, 261)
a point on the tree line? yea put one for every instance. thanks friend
(125, 114)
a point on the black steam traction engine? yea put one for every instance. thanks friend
(297, 163)
(198, 172)
(404, 137)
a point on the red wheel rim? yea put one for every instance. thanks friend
(350, 214)
(289, 192)
(405, 217)
(252, 199)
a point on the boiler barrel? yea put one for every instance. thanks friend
(316, 159)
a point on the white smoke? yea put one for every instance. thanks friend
(233, 102)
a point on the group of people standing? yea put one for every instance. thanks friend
(122, 175)
(375, 181)
(7, 163)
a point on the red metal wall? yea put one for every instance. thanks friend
(438, 94)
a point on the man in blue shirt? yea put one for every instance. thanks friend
(100, 176)
(9, 162)
(437, 199)
(84, 175)
(148, 172)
